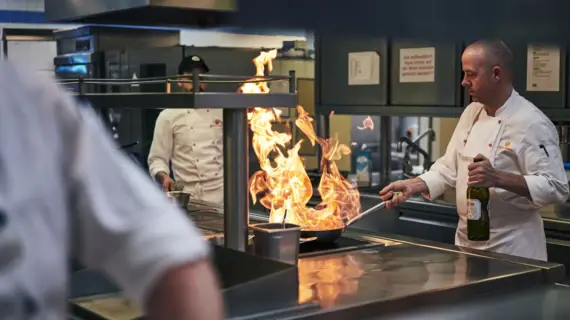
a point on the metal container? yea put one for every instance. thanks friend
(180, 198)
(277, 241)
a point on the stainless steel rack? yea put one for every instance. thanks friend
(235, 127)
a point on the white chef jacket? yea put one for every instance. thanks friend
(191, 139)
(514, 141)
(60, 172)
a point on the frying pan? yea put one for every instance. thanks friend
(331, 235)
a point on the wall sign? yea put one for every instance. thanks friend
(363, 68)
(417, 65)
(543, 68)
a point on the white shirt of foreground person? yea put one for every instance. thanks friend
(59, 173)
(520, 139)
(192, 140)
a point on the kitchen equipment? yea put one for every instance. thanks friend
(277, 241)
(328, 236)
(179, 197)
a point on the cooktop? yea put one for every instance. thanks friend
(309, 249)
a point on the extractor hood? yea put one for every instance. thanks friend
(205, 13)
(529, 20)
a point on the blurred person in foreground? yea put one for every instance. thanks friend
(65, 191)
(519, 152)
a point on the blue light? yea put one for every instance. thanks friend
(80, 69)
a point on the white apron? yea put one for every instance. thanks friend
(513, 231)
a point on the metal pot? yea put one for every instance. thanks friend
(179, 197)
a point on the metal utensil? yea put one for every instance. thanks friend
(379, 206)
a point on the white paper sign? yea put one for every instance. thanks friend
(363, 68)
(417, 65)
(543, 68)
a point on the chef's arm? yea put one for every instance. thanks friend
(123, 225)
(544, 179)
(443, 173)
(161, 148)
(512, 182)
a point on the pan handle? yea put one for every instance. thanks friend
(377, 207)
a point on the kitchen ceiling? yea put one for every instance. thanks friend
(443, 19)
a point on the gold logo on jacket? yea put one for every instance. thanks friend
(506, 146)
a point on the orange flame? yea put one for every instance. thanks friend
(367, 123)
(282, 185)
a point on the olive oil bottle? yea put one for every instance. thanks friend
(478, 226)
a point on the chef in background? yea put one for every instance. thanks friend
(521, 160)
(67, 192)
(190, 140)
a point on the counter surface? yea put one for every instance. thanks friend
(402, 274)
(396, 273)
(548, 302)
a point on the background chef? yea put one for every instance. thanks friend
(190, 140)
(522, 161)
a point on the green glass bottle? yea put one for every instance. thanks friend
(478, 226)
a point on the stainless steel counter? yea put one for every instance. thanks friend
(390, 279)
(546, 303)
(398, 275)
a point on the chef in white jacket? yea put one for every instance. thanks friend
(65, 191)
(190, 140)
(522, 164)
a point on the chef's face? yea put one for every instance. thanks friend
(480, 78)
(187, 86)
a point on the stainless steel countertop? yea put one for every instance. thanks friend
(548, 302)
(394, 272)
(402, 273)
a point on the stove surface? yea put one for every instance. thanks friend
(310, 249)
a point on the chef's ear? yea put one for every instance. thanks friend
(497, 72)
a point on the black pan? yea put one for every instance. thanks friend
(332, 235)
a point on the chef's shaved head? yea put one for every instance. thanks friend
(487, 65)
(494, 53)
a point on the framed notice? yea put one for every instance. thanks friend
(543, 68)
(417, 65)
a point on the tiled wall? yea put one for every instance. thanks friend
(22, 5)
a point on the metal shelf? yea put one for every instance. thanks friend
(220, 100)
(235, 127)
(555, 114)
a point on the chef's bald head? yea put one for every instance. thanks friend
(494, 53)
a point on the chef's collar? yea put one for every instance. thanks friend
(506, 109)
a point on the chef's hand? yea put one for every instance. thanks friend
(165, 181)
(481, 173)
(396, 193)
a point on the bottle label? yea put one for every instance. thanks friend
(473, 209)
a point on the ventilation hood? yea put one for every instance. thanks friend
(530, 20)
(184, 13)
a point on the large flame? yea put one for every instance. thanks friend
(282, 185)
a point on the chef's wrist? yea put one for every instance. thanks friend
(500, 178)
(161, 176)
(418, 185)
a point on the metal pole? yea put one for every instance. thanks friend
(385, 150)
(195, 80)
(236, 176)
